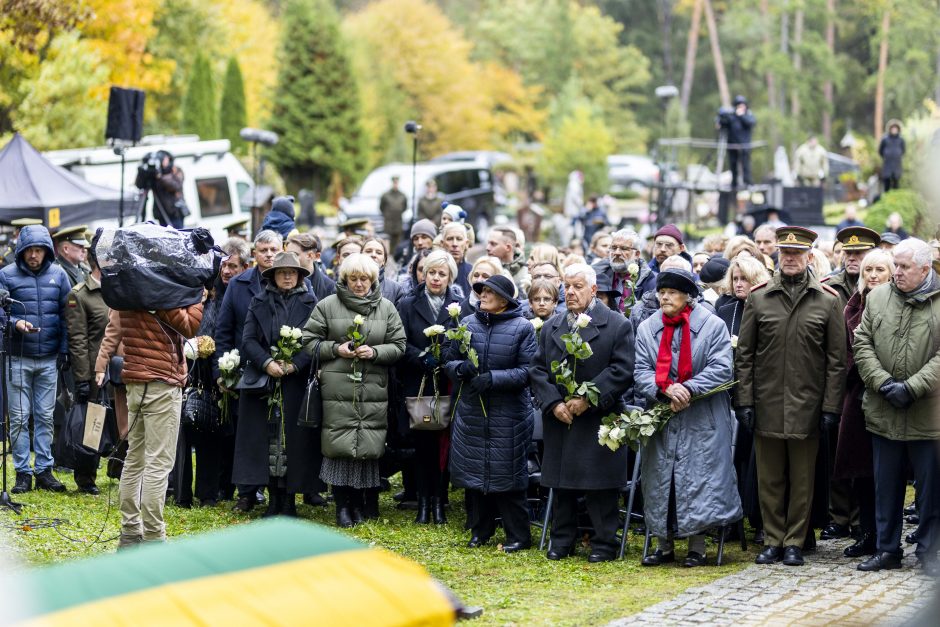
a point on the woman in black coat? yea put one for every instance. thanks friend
(573, 460)
(271, 449)
(743, 274)
(426, 307)
(493, 423)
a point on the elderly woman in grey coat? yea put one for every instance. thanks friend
(689, 483)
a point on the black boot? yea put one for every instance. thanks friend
(47, 481)
(274, 501)
(289, 505)
(343, 512)
(24, 483)
(423, 517)
(356, 504)
(437, 511)
(370, 505)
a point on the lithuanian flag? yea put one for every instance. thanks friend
(272, 572)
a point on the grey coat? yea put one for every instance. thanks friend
(695, 446)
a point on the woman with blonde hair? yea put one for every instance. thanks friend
(740, 243)
(544, 253)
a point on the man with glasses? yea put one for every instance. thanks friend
(623, 252)
(666, 243)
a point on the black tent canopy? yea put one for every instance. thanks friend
(33, 187)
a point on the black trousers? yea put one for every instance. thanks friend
(511, 507)
(742, 157)
(427, 463)
(603, 510)
(208, 448)
(863, 493)
(890, 461)
(890, 182)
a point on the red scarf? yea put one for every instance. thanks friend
(664, 358)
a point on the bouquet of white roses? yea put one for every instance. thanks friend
(288, 345)
(629, 288)
(228, 372)
(564, 373)
(461, 334)
(434, 333)
(638, 426)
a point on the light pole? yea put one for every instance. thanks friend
(413, 128)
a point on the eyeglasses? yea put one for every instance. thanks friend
(666, 245)
(624, 249)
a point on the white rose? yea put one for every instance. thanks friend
(734, 341)
(433, 330)
(296, 333)
(613, 445)
(633, 269)
(453, 310)
(359, 319)
(582, 320)
(615, 433)
(285, 331)
(189, 349)
(603, 432)
(537, 323)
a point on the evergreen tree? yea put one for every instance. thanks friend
(232, 116)
(317, 110)
(199, 105)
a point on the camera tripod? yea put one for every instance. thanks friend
(7, 370)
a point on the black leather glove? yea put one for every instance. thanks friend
(429, 361)
(480, 383)
(829, 421)
(63, 361)
(82, 392)
(896, 393)
(745, 416)
(465, 370)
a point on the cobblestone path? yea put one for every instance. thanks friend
(828, 590)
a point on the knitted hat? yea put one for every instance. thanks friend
(424, 227)
(714, 270)
(456, 212)
(671, 230)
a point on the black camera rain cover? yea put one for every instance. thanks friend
(148, 266)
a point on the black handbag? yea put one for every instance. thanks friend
(311, 408)
(201, 409)
(254, 381)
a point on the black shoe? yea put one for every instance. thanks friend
(556, 554)
(910, 510)
(863, 546)
(289, 506)
(834, 531)
(24, 483)
(90, 488)
(911, 538)
(370, 504)
(856, 532)
(314, 500)
(759, 536)
(881, 561)
(792, 556)
(694, 559)
(406, 505)
(601, 556)
(438, 517)
(398, 497)
(423, 517)
(357, 517)
(512, 547)
(659, 558)
(770, 555)
(184, 504)
(476, 542)
(47, 481)
(913, 519)
(208, 503)
(244, 504)
(344, 517)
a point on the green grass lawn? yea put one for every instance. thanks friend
(519, 589)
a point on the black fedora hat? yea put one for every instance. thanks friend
(501, 285)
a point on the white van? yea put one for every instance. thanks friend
(213, 178)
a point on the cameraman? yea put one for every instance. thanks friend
(169, 206)
(738, 124)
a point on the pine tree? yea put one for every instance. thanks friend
(199, 105)
(232, 116)
(317, 110)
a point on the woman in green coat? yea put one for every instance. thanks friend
(358, 335)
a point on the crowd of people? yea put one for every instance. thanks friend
(491, 368)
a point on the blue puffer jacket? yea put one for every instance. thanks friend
(43, 294)
(488, 451)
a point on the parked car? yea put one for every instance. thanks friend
(213, 178)
(469, 184)
(631, 172)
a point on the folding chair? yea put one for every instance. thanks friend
(628, 513)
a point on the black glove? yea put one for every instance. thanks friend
(63, 361)
(465, 370)
(82, 392)
(481, 383)
(429, 361)
(745, 416)
(896, 393)
(829, 421)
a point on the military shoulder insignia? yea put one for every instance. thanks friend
(830, 290)
(758, 286)
(72, 302)
(826, 278)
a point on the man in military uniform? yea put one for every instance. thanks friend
(392, 206)
(238, 228)
(354, 226)
(9, 254)
(86, 316)
(791, 367)
(856, 242)
(71, 249)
